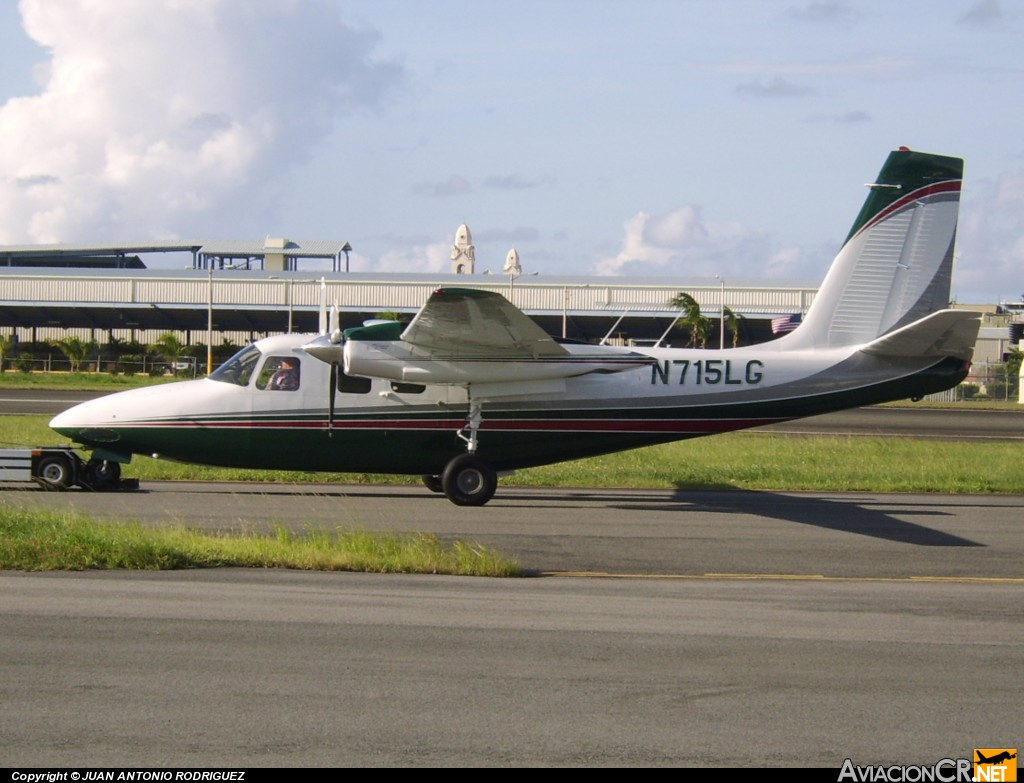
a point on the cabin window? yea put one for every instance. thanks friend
(352, 384)
(239, 368)
(407, 388)
(279, 373)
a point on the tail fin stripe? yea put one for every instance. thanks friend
(921, 194)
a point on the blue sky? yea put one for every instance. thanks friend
(677, 138)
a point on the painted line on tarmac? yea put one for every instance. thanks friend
(789, 577)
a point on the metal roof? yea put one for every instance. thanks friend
(95, 248)
(308, 248)
(301, 248)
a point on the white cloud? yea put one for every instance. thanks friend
(419, 259)
(990, 241)
(153, 117)
(682, 243)
(656, 242)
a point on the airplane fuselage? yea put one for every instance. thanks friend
(388, 426)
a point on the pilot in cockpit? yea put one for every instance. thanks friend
(287, 376)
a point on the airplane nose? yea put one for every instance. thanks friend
(84, 422)
(70, 422)
(64, 421)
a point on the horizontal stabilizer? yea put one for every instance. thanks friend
(945, 333)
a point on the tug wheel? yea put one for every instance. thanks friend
(55, 472)
(469, 481)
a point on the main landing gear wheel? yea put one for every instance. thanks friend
(469, 481)
(102, 473)
(55, 472)
(433, 483)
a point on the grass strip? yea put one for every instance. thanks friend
(34, 540)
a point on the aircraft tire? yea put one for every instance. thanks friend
(433, 483)
(102, 474)
(55, 472)
(469, 481)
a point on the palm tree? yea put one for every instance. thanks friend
(7, 344)
(700, 326)
(76, 350)
(170, 346)
(733, 323)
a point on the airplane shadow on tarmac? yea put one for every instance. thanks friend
(863, 516)
(860, 515)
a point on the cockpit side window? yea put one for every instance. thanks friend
(279, 373)
(239, 368)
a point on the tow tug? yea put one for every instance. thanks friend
(60, 468)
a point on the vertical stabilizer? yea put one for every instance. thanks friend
(897, 262)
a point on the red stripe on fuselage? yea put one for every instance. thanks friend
(505, 425)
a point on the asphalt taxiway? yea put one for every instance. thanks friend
(654, 628)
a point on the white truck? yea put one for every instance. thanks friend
(60, 467)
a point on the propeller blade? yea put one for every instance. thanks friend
(330, 396)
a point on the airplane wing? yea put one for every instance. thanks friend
(460, 322)
(465, 336)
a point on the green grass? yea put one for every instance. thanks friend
(32, 540)
(78, 381)
(763, 461)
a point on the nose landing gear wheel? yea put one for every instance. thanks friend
(433, 483)
(102, 474)
(469, 481)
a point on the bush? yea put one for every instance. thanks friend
(130, 363)
(24, 362)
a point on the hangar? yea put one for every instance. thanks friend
(245, 290)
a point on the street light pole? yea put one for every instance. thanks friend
(209, 317)
(721, 319)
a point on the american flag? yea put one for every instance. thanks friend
(786, 323)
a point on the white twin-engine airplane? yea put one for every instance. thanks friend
(472, 387)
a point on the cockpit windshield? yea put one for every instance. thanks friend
(239, 368)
